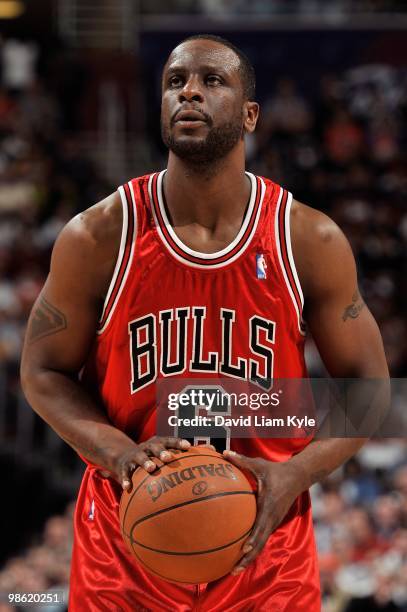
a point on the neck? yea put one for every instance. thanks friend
(206, 195)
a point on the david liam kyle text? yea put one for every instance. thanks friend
(242, 421)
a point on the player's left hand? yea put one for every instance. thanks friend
(278, 486)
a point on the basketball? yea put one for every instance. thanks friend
(187, 521)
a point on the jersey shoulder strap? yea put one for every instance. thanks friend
(280, 202)
(125, 254)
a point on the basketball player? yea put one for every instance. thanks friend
(206, 268)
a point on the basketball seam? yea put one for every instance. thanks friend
(187, 503)
(191, 554)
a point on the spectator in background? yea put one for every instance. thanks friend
(343, 139)
(387, 515)
(329, 101)
(18, 64)
(367, 543)
(287, 112)
(381, 600)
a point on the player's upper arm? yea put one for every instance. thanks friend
(342, 326)
(64, 318)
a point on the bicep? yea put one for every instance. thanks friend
(351, 347)
(64, 318)
(343, 328)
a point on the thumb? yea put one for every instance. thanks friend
(241, 461)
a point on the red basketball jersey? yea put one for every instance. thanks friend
(174, 312)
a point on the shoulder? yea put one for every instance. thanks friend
(96, 225)
(310, 224)
(321, 250)
(89, 243)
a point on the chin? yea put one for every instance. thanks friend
(188, 147)
(189, 140)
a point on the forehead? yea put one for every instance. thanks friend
(205, 53)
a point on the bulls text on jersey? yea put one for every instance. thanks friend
(147, 363)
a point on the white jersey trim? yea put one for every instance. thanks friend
(289, 249)
(120, 256)
(293, 268)
(231, 245)
(208, 256)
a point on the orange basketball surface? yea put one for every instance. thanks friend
(187, 522)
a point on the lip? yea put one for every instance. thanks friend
(190, 117)
(190, 125)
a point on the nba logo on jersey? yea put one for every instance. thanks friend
(261, 266)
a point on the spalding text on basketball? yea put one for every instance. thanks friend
(161, 485)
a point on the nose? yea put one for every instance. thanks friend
(191, 92)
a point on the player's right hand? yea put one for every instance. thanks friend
(140, 455)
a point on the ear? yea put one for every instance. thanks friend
(250, 114)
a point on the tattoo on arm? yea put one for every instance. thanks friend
(352, 311)
(46, 320)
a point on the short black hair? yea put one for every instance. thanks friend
(246, 70)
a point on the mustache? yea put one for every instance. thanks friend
(205, 115)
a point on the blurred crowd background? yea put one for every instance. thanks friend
(79, 114)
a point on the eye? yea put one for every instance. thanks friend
(213, 79)
(175, 81)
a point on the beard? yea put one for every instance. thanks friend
(205, 151)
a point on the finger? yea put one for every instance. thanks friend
(158, 447)
(125, 478)
(175, 444)
(255, 542)
(159, 450)
(127, 485)
(143, 460)
(241, 461)
(258, 537)
(172, 442)
(261, 525)
(139, 458)
(211, 446)
(249, 557)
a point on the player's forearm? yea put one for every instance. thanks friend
(321, 457)
(66, 406)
